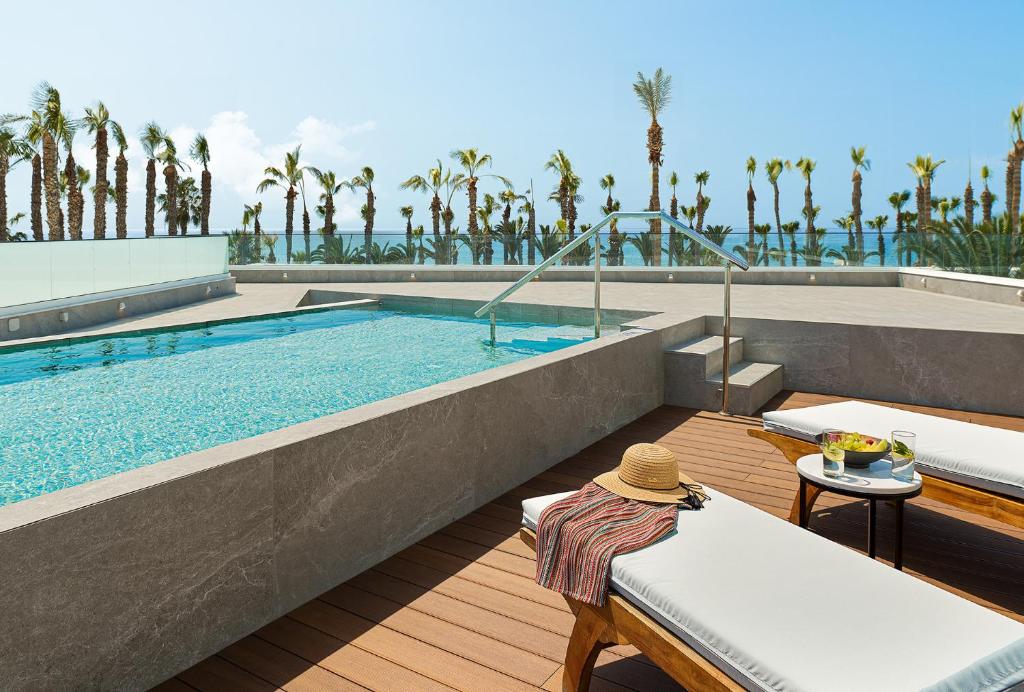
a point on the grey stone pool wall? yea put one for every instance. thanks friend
(125, 581)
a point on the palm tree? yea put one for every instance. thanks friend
(897, 200)
(761, 252)
(509, 196)
(654, 95)
(484, 213)
(49, 125)
(773, 168)
(190, 204)
(701, 179)
(200, 151)
(288, 178)
(151, 136)
(751, 200)
(365, 181)
(330, 186)
(878, 224)
(12, 152)
(860, 161)
(1013, 203)
(806, 167)
(251, 214)
(560, 164)
(790, 228)
(120, 183)
(169, 158)
(97, 121)
(406, 213)
(986, 196)
(530, 208)
(969, 205)
(76, 202)
(471, 161)
(923, 168)
(432, 183)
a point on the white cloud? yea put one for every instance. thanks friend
(237, 156)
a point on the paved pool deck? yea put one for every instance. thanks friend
(852, 305)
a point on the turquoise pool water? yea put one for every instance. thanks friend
(92, 409)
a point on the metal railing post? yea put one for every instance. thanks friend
(726, 336)
(597, 285)
(494, 328)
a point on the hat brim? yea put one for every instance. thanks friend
(610, 481)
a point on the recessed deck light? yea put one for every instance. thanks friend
(284, 276)
(63, 317)
(13, 324)
(121, 307)
(1020, 294)
(412, 276)
(924, 282)
(812, 278)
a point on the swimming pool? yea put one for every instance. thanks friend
(90, 409)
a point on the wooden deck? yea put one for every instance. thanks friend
(460, 609)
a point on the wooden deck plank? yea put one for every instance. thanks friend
(460, 609)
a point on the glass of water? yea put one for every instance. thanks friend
(833, 455)
(903, 454)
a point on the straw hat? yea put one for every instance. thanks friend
(649, 473)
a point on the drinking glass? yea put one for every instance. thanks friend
(903, 445)
(833, 455)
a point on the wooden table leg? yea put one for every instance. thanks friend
(871, 528)
(898, 557)
(803, 503)
(802, 499)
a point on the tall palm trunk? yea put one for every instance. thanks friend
(171, 199)
(75, 210)
(531, 230)
(969, 206)
(368, 227)
(986, 206)
(37, 197)
(99, 195)
(751, 200)
(655, 145)
(329, 217)
(1008, 200)
(150, 198)
(471, 225)
(778, 224)
(856, 200)
(812, 235)
(1018, 162)
(435, 216)
(53, 211)
(701, 209)
(926, 206)
(121, 195)
(5, 166)
(289, 227)
(206, 187)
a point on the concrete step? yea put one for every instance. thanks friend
(751, 385)
(704, 353)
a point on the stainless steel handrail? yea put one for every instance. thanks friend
(729, 260)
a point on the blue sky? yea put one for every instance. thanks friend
(395, 85)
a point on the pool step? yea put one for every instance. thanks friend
(546, 345)
(693, 376)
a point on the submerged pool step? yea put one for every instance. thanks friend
(547, 345)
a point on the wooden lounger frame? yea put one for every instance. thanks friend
(620, 622)
(1008, 510)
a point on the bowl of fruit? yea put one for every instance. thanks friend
(861, 450)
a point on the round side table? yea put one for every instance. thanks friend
(872, 484)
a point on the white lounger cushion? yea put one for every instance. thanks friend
(976, 455)
(780, 608)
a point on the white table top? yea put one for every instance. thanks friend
(876, 479)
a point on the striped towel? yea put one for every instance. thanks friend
(578, 536)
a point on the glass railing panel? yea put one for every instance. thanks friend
(632, 244)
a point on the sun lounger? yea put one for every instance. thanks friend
(974, 467)
(737, 599)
